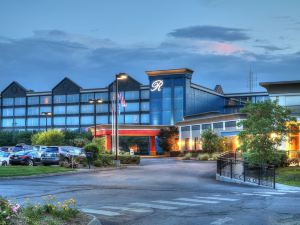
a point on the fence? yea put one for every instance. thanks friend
(229, 166)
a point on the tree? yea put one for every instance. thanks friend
(168, 139)
(49, 138)
(101, 143)
(211, 142)
(267, 124)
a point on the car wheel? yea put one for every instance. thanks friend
(30, 162)
(66, 163)
(4, 163)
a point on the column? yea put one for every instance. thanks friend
(152, 145)
(108, 142)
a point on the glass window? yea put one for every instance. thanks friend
(166, 117)
(73, 120)
(59, 121)
(20, 101)
(59, 99)
(20, 122)
(102, 119)
(218, 125)
(32, 122)
(145, 118)
(292, 100)
(131, 95)
(43, 121)
(34, 100)
(102, 95)
(45, 109)
(8, 101)
(73, 98)
(59, 109)
(101, 108)
(72, 109)
(134, 118)
(85, 97)
(145, 94)
(196, 127)
(87, 108)
(7, 122)
(132, 106)
(230, 124)
(86, 120)
(186, 128)
(8, 112)
(206, 126)
(145, 106)
(19, 111)
(46, 100)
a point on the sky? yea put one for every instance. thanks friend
(43, 41)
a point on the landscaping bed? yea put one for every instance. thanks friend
(12, 171)
(289, 176)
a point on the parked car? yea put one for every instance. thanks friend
(4, 149)
(50, 156)
(67, 153)
(39, 149)
(29, 158)
(4, 158)
(20, 147)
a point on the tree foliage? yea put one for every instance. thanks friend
(168, 139)
(9, 138)
(101, 143)
(267, 124)
(49, 138)
(211, 142)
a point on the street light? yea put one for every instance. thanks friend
(47, 114)
(120, 76)
(95, 101)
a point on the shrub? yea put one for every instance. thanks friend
(187, 156)
(129, 159)
(277, 158)
(7, 211)
(49, 138)
(92, 147)
(203, 157)
(80, 142)
(101, 142)
(211, 142)
(214, 156)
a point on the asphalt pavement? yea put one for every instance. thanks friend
(163, 191)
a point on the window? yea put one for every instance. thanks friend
(102, 119)
(72, 109)
(73, 98)
(20, 101)
(46, 100)
(145, 118)
(33, 100)
(206, 126)
(132, 95)
(59, 109)
(134, 118)
(19, 111)
(145, 106)
(7, 122)
(8, 101)
(101, 108)
(59, 121)
(145, 94)
(292, 100)
(86, 120)
(230, 124)
(59, 99)
(72, 120)
(102, 95)
(186, 128)
(218, 125)
(32, 122)
(196, 127)
(87, 108)
(43, 121)
(85, 97)
(166, 117)
(45, 109)
(132, 106)
(8, 112)
(20, 122)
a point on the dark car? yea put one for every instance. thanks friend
(69, 154)
(50, 156)
(28, 158)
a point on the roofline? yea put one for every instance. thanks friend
(245, 94)
(169, 72)
(265, 84)
(206, 89)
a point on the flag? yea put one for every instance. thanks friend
(122, 100)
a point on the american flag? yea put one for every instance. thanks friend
(122, 100)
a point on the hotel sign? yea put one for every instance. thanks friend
(157, 85)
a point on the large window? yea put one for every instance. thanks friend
(59, 110)
(206, 126)
(132, 106)
(166, 105)
(7, 101)
(7, 122)
(132, 95)
(87, 108)
(87, 120)
(85, 97)
(20, 101)
(59, 99)
(102, 119)
(145, 118)
(230, 124)
(8, 112)
(20, 122)
(46, 100)
(102, 95)
(132, 118)
(44, 109)
(20, 111)
(73, 98)
(44, 119)
(59, 121)
(102, 108)
(145, 94)
(178, 103)
(72, 120)
(34, 100)
(145, 106)
(292, 100)
(72, 109)
(32, 122)
(218, 125)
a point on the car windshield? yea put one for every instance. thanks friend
(36, 148)
(51, 149)
(4, 154)
(22, 153)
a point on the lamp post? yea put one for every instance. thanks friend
(47, 114)
(120, 76)
(95, 101)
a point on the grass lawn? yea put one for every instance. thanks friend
(288, 176)
(11, 171)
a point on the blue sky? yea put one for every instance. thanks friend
(90, 40)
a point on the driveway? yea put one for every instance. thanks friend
(163, 191)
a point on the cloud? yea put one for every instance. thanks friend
(271, 47)
(215, 33)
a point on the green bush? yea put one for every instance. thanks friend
(277, 158)
(214, 156)
(94, 148)
(203, 156)
(101, 142)
(187, 156)
(129, 159)
(49, 138)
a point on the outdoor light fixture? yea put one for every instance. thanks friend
(47, 114)
(95, 102)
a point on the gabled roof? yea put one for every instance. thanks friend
(169, 72)
(128, 84)
(14, 89)
(66, 86)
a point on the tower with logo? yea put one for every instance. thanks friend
(168, 95)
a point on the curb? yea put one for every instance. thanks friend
(284, 187)
(94, 221)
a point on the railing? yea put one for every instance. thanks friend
(263, 175)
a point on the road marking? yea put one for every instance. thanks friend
(249, 194)
(288, 191)
(270, 193)
(196, 200)
(128, 209)
(154, 206)
(218, 198)
(222, 221)
(176, 203)
(100, 212)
